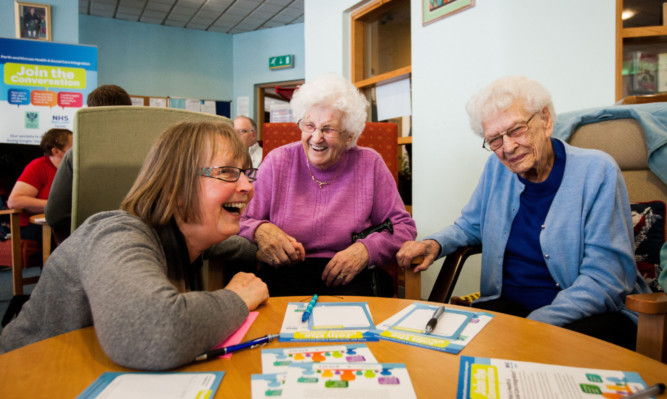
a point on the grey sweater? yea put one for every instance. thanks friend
(111, 272)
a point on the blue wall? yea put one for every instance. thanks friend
(64, 24)
(155, 60)
(251, 59)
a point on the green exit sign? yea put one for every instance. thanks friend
(281, 62)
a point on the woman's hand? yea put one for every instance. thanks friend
(421, 253)
(250, 288)
(345, 265)
(276, 248)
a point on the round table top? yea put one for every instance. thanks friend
(65, 365)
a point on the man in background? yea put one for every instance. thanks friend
(58, 211)
(247, 129)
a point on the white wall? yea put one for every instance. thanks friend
(326, 36)
(567, 45)
(251, 55)
(155, 60)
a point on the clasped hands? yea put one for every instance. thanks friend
(419, 254)
(277, 248)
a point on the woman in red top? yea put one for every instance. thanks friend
(32, 188)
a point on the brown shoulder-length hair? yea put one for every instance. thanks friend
(168, 181)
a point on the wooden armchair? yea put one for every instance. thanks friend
(383, 138)
(625, 140)
(18, 281)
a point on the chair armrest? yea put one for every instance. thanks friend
(653, 303)
(9, 211)
(449, 273)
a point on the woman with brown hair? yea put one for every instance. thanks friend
(136, 273)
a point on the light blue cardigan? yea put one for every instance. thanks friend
(587, 238)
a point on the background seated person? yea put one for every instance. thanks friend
(33, 186)
(136, 273)
(553, 220)
(312, 195)
(58, 211)
(247, 129)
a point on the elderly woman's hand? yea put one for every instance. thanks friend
(345, 265)
(421, 253)
(276, 248)
(250, 288)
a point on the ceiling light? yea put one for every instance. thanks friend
(627, 14)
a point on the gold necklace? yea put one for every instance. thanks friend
(321, 183)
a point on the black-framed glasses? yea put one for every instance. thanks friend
(309, 127)
(515, 132)
(229, 173)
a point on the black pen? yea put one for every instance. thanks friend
(434, 320)
(656, 389)
(233, 348)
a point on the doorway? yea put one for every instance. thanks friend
(272, 95)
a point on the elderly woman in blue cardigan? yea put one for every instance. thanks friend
(553, 220)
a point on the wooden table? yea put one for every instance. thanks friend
(65, 365)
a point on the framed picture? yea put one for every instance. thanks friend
(434, 10)
(33, 21)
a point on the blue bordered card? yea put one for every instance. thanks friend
(329, 321)
(455, 328)
(183, 385)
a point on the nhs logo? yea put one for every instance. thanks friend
(61, 121)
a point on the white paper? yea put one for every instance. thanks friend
(137, 101)
(165, 386)
(243, 106)
(208, 107)
(393, 100)
(447, 324)
(157, 102)
(192, 104)
(339, 317)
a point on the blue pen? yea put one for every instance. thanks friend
(309, 309)
(233, 348)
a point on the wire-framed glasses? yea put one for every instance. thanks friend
(309, 127)
(228, 173)
(515, 132)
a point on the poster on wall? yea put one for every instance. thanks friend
(43, 85)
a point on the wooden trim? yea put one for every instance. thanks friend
(387, 77)
(405, 140)
(644, 31)
(357, 50)
(367, 9)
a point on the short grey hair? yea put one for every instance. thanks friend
(502, 93)
(335, 91)
(249, 119)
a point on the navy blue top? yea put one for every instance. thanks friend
(526, 279)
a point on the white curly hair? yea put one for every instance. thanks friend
(502, 93)
(333, 90)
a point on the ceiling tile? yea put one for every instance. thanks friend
(239, 15)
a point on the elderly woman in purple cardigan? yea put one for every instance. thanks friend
(312, 195)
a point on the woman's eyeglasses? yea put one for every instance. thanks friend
(517, 131)
(228, 173)
(309, 127)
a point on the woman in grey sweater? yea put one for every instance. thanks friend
(136, 273)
